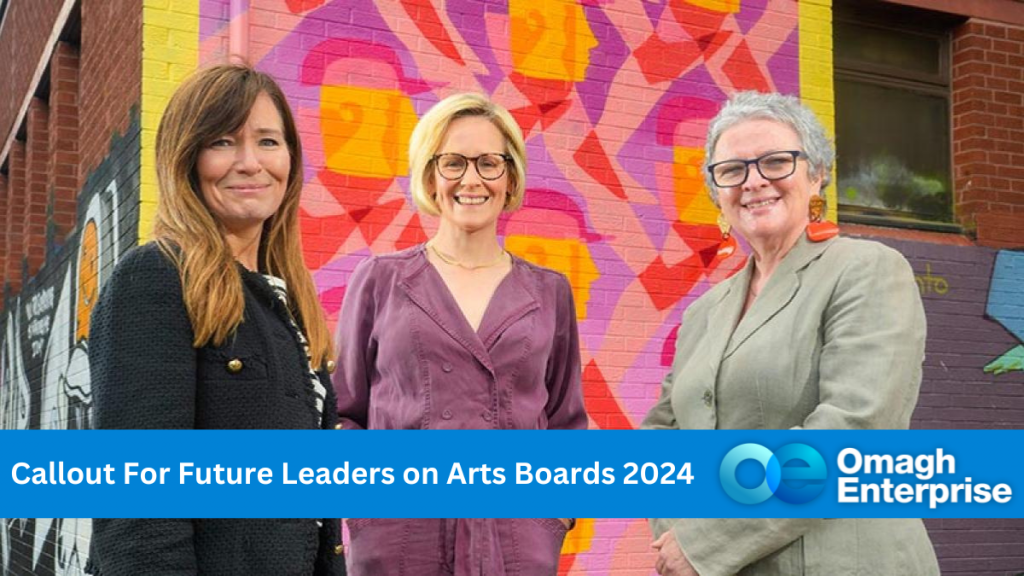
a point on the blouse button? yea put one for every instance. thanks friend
(707, 398)
(447, 414)
(331, 366)
(234, 365)
(486, 416)
(447, 366)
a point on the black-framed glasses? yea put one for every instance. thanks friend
(772, 166)
(488, 166)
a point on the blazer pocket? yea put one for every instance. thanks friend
(223, 365)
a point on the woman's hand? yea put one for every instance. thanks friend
(671, 559)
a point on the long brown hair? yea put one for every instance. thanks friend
(213, 102)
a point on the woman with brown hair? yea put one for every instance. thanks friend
(216, 324)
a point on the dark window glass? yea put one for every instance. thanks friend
(892, 122)
(893, 147)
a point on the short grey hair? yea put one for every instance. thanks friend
(743, 106)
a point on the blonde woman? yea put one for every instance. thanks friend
(216, 324)
(458, 333)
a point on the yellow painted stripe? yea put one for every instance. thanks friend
(816, 88)
(170, 50)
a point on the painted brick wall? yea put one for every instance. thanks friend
(614, 99)
(68, 217)
(973, 378)
(988, 131)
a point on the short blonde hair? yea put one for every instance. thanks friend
(431, 131)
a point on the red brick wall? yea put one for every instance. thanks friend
(37, 163)
(111, 75)
(15, 216)
(3, 235)
(20, 53)
(63, 177)
(988, 131)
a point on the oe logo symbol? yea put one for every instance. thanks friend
(777, 476)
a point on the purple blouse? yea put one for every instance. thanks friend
(408, 358)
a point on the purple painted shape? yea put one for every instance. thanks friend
(605, 60)
(654, 10)
(784, 65)
(675, 110)
(469, 17)
(644, 151)
(323, 54)
(289, 60)
(335, 274)
(213, 17)
(547, 199)
(750, 12)
(615, 275)
(646, 371)
(605, 292)
(544, 173)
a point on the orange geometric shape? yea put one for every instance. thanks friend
(412, 234)
(550, 40)
(660, 61)
(88, 279)
(429, 23)
(600, 403)
(743, 71)
(592, 158)
(698, 21)
(354, 192)
(299, 6)
(711, 43)
(691, 194)
(724, 6)
(550, 98)
(366, 130)
(666, 285)
(570, 256)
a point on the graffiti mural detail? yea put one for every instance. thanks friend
(614, 101)
(44, 363)
(1006, 307)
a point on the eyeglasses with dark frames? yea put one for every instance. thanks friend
(771, 166)
(489, 166)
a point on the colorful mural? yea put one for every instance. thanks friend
(1006, 307)
(614, 99)
(44, 349)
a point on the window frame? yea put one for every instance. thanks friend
(932, 25)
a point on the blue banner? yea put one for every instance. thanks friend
(495, 474)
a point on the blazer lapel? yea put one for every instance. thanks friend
(779, 291)
(514, 298)
(721, 321)
(425, 288)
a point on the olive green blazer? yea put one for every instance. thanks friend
(835, 340)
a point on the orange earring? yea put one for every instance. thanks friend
(728, 245)
(819, 229)
(723, 226)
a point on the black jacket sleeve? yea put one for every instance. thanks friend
(143, 370)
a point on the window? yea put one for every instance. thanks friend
(893, 116)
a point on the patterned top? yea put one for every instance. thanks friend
(281, 289)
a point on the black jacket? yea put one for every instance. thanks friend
(146, 374)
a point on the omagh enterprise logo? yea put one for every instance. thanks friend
(784, 475)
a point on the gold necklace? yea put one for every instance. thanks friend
(453, 262)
